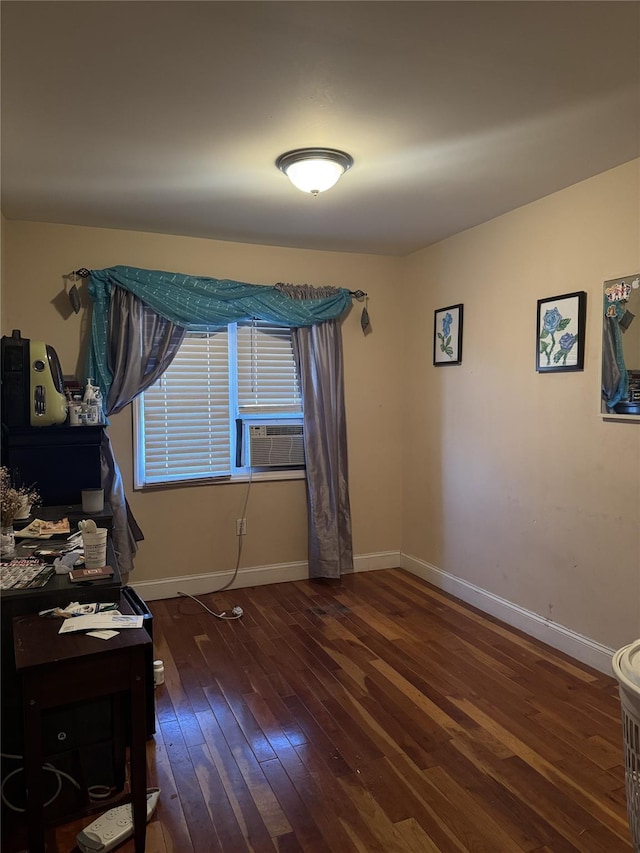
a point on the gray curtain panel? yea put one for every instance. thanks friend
(318, 353)
(141, 345)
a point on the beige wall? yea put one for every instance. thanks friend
(508, 479)
(511, 479)
(36, 256)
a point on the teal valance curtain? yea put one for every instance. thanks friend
(197, 303)
(139, 318)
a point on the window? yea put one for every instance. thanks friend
(192, 424)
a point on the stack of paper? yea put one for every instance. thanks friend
(100, 622)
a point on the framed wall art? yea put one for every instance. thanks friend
(447, 335)
(560, 331)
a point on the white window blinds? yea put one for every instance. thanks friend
(267, 375)
(186, 422)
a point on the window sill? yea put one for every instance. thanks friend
(256, 477)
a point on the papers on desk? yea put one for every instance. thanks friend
(39, 529)
(100, 622)
(24, 573)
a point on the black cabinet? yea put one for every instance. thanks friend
(59, 460)
(57, 592)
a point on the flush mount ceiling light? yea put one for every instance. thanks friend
(314, 170)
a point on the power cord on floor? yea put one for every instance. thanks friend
(237, 612)
(96, 792)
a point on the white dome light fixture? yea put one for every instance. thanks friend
(314, 170)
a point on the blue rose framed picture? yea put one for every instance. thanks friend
(447, 336)
(560, 331)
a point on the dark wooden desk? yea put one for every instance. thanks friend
(57, 670)
(58, 591)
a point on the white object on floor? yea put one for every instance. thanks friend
(158, 672)
(113, 827)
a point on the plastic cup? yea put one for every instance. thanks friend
(95, 548)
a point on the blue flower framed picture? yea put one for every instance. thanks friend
(447, 336)
(560, 330)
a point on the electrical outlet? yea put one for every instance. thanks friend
(241, 526)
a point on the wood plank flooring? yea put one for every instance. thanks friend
(374, 716)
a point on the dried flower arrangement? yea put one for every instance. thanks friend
(13, 499)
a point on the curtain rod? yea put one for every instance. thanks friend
(83, 272)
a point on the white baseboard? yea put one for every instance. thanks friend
(253, 576)
(581, 648)
(557, 636)
(381, 560)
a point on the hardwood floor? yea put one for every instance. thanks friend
(377, 715)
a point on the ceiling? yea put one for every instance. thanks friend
(168, 116)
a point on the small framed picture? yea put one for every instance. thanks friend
(447, 335)
(560, 331)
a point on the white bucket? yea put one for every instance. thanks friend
(626, 668)
(95, 548)
(92, 500)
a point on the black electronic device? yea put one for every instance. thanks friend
(59, 461)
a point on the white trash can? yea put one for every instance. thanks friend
(626, 667)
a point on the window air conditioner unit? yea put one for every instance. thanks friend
(276, 446)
